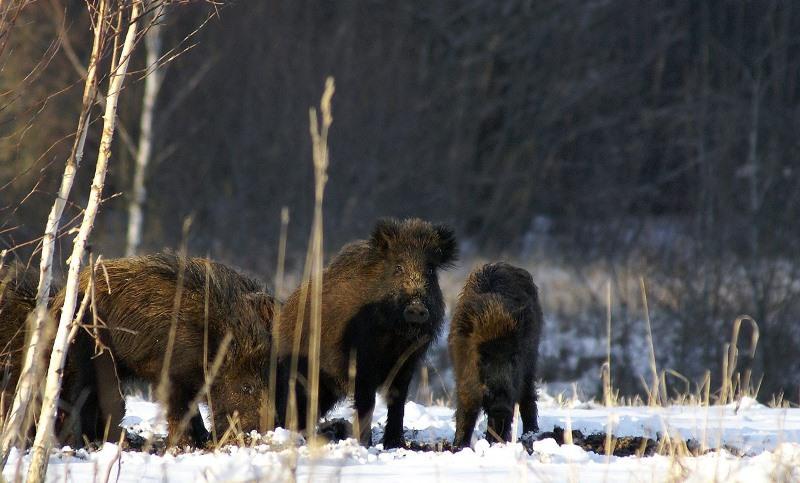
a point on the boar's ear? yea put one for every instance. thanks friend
(263, 305)
(447, 247)
(385, 231)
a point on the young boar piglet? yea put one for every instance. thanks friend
(494, 342)
(381, 303)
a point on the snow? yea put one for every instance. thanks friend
(758, 444)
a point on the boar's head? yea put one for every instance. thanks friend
(408, 254)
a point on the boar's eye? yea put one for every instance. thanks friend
(431, 270)
(398, 270)
(247, 388)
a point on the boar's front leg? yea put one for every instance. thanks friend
(290, 395)
(365, 404)
(197, 429)
(396, 403)
(179, 400)
(527, 406)
(466, 415)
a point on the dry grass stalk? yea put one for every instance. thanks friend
(351, 390)
(568, 428)
(206, 376)
(117, 459)
(273, 351)
(291, 403)
(608, 396)
(653, 390)
(424, 392)
(681, 397)
(319, 137)
(44, 432)
(607, 388)
(402, 360)
(731, 380)
(515, 424)
(219, 358)
(162, 391)
(233, 432)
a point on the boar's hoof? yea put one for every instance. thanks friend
(393, 442)
(336, 429)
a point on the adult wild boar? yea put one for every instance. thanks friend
(18, 287)
(17, 301)
(494, 343)
(134, 300)
(381, 302)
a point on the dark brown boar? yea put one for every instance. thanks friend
(381, 302)
(17, 301)
(18, 287)
(134, 300)
(494, 343)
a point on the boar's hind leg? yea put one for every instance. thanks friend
(527, 407)
(83, 420)
(396, 402)
(111, 403)
(284, 395)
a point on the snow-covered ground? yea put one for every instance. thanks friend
(762, 444)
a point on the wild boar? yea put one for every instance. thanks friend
(381, 302)
(494, 344)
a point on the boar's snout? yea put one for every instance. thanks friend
(416, 312)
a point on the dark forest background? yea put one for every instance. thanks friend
(590, 141)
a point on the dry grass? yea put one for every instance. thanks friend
(319, 137)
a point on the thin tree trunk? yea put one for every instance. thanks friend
(756, 276)
(44, 432)
(15, 431)
(754, 165)
(152, 85)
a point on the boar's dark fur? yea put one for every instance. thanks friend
(18, 286)
(381, 301)
(494, 343)
(134, 300)
(17, 301)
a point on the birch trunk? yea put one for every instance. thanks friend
(15, 430)
(44, 432)
(152, 85)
